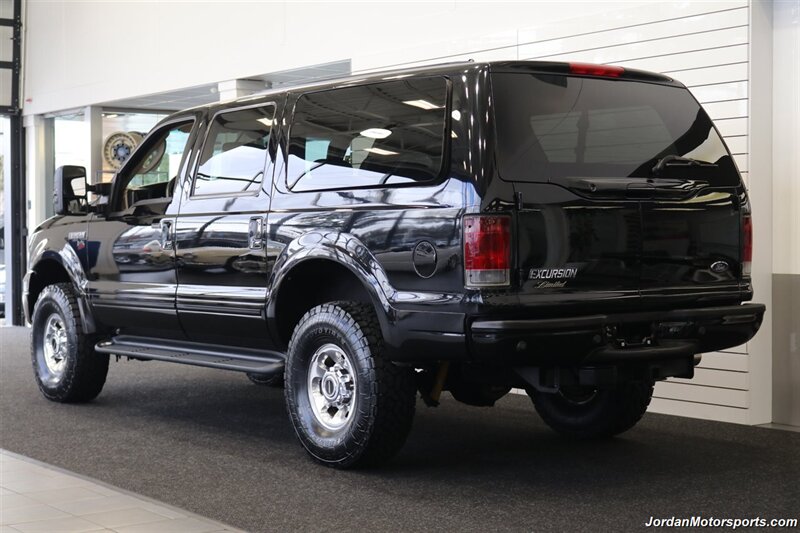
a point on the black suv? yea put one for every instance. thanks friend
(578, 231)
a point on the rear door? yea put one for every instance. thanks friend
(598, 226)
(691, 220)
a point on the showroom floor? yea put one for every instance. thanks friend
(213, 444)
(37, 498)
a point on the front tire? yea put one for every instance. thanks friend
(587, 413)
(65, 365)
(349, 406)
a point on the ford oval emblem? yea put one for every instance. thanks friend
(719, 267)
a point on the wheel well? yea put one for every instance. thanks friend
(46, 272)
(309, 284)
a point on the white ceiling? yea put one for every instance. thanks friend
(206, 94)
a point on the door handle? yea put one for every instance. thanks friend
(166, 235)
(255, 233)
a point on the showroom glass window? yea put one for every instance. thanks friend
(372, 135)
(235, 152)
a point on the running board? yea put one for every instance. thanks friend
(262, 362)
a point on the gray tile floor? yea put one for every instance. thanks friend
(35, 497)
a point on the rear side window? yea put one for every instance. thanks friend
(551, 126)
(235, 152)
(372, 135)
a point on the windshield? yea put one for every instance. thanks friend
(551, 126)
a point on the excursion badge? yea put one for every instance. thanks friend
(552, 278)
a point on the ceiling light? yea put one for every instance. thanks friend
(379, 151)
(422, 104)
(456, 114)
(376, 133)
(268, 122)
(110, 115)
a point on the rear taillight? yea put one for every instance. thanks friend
(487, 250)
(747, 244)
(589, 69)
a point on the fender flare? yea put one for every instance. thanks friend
(69, 261)
(344, 249)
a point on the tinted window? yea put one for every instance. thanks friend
(372, 135)
(155, 170)
(235, 152)
(552, 126)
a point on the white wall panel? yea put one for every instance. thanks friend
(720, 92)
(728, 109)
(727, 360)
(707, 75)
(700, 394)
(649, 14)
(641, 32)
(729, 127)
(696, 59)
(742, 162)
(737, 144)
(645, 49)
(726, 379)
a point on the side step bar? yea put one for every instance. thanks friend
(262, 362)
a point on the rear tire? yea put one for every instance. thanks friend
(349, 406)
(65, 365)
(272, 380)
(586, 413)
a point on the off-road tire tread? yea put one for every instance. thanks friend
(394, 387)
(88, 376)
(622, 409)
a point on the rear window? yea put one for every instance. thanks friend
(366, 136)
(551, 126)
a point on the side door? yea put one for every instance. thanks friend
(131, 260)
(222, 264)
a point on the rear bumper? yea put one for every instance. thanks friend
(615, 338)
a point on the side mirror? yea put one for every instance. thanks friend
(69, 194)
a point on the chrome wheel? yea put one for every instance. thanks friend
(55, 345)
(331, 387)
